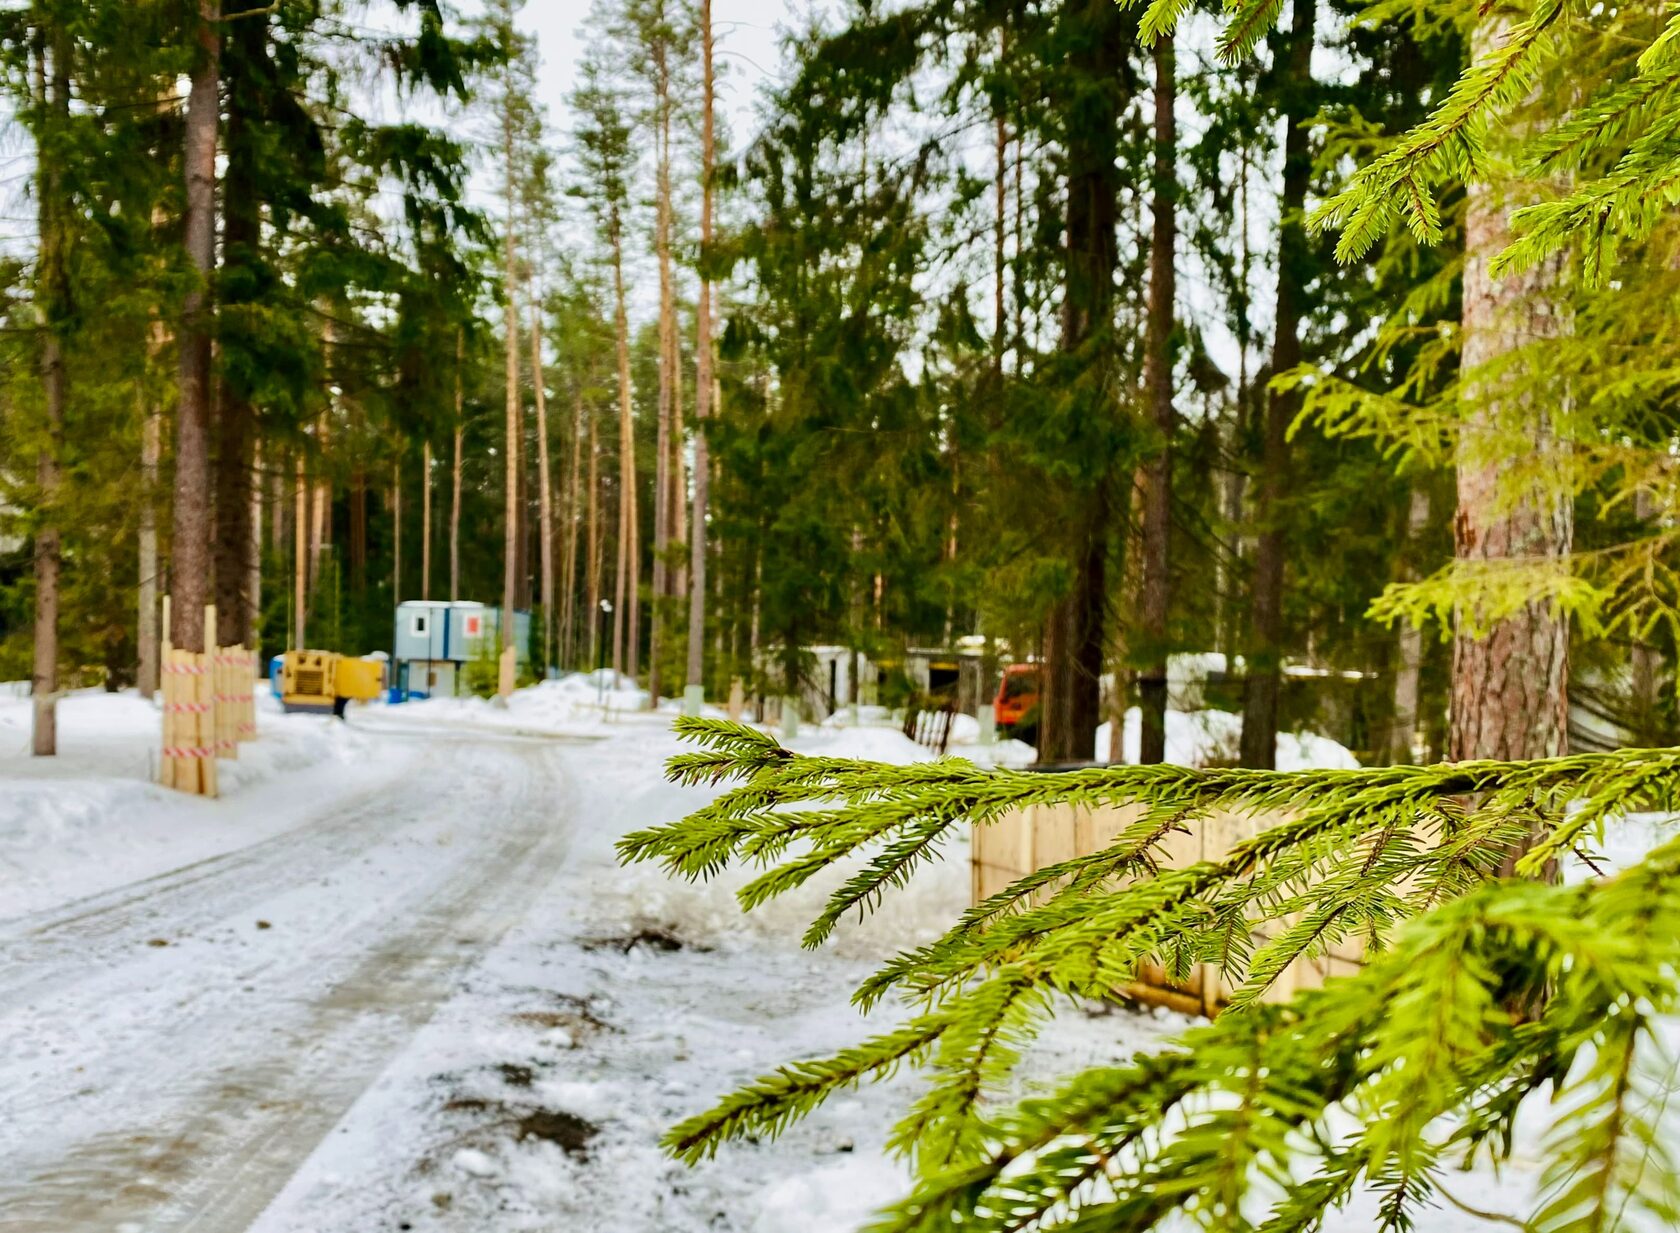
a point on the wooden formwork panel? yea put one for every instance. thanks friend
(1028, 839)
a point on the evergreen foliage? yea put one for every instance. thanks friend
(1383, 1080)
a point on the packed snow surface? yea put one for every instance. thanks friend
(395, 979)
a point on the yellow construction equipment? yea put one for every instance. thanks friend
(325, 682)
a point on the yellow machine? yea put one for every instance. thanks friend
(325, 682)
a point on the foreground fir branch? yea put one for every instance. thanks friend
(1421, 1048)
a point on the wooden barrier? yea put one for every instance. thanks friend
(234, 673)
(189, 724)
(209, 707)
(1038, 835)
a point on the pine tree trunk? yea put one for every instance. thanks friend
(1403, 731)
(425, 520)
(52, 84)
(695, 674)
(596, 548)
(1265, 653)
(151, 457)
(455, 473)
(626, 584)
(1509, 681)
(190, 541)
(253, 557)
(667, 371)
(1158, 378)
(243, 53)
(300, 558)
(545, 494)
(321, 503)
(510, 327)
(568, 583)
(396, 534)
(1075, 644)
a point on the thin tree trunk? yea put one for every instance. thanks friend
(52, 83)
(455, 473)
(596, 548)
(1402, 736)
(667, 370)
(425, 520)
(703, 379)
(1157, 472)
(300, 559)
(320, 525)
(1509, 677)
(1265, 654)
(396, 533)
(568, 585)
(190, 542)
(626, 633)
(545, 495)
(151, 456)
(253, 560)
(510, 326)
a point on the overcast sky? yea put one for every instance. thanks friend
(746, 34)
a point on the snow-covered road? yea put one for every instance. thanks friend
(178, 1045)
(395, 979)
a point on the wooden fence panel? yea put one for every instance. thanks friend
(1039, 835)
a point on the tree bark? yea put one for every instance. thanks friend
(243, 53)
(425, 520)
(1157, 472)
(1070, 688)
(151, 457)
(596, 548)
(52, 84)
(1509, 678)
(510, 326)
(695, 675)
(455, 473)
(1266, 637)
(396, 533)
(568, 584)
(190, 541)
(1402, 738)
(300, 558)
(545, 494)
(667, 367)
(626, 633)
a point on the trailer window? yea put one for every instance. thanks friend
(419, 622)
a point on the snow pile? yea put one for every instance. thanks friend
(92, 817)
(1206, 738)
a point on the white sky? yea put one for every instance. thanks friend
(746, 35)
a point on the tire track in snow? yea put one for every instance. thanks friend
(227, 1075)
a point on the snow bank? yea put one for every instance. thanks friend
(92, 817)
(1203, 738)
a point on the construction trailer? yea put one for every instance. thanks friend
(436, 639)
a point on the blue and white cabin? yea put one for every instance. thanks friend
(436, 639)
